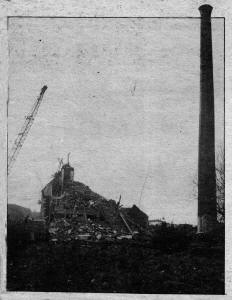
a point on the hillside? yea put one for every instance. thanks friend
(17, 213)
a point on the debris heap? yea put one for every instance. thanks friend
(73, 211)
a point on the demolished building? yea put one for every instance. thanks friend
(72, 210)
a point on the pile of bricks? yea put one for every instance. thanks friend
(72, 229)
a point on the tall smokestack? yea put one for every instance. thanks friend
(207, 215)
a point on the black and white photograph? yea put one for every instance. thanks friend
(116, 154)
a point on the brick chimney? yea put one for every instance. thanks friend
(207, 215)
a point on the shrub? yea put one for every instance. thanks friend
(172, 239)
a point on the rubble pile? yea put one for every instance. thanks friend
(88, 219)
(91, 220)
(67, 230)
(73, 211)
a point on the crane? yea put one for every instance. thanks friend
(18, 143)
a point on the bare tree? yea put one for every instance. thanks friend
(220, 182)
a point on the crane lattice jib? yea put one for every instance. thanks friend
(24, 130)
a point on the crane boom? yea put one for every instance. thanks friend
(18, 143)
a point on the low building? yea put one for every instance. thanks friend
(135, 216)
(156, 222)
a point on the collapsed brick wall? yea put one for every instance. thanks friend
(84, 210)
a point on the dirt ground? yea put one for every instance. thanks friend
(119, 267)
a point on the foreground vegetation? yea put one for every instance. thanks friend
(165, 260)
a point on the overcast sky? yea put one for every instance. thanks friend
(123, 98)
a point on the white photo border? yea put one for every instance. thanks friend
(111, 8)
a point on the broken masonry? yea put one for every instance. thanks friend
(73, 211)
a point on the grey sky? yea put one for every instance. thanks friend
(123, 98)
